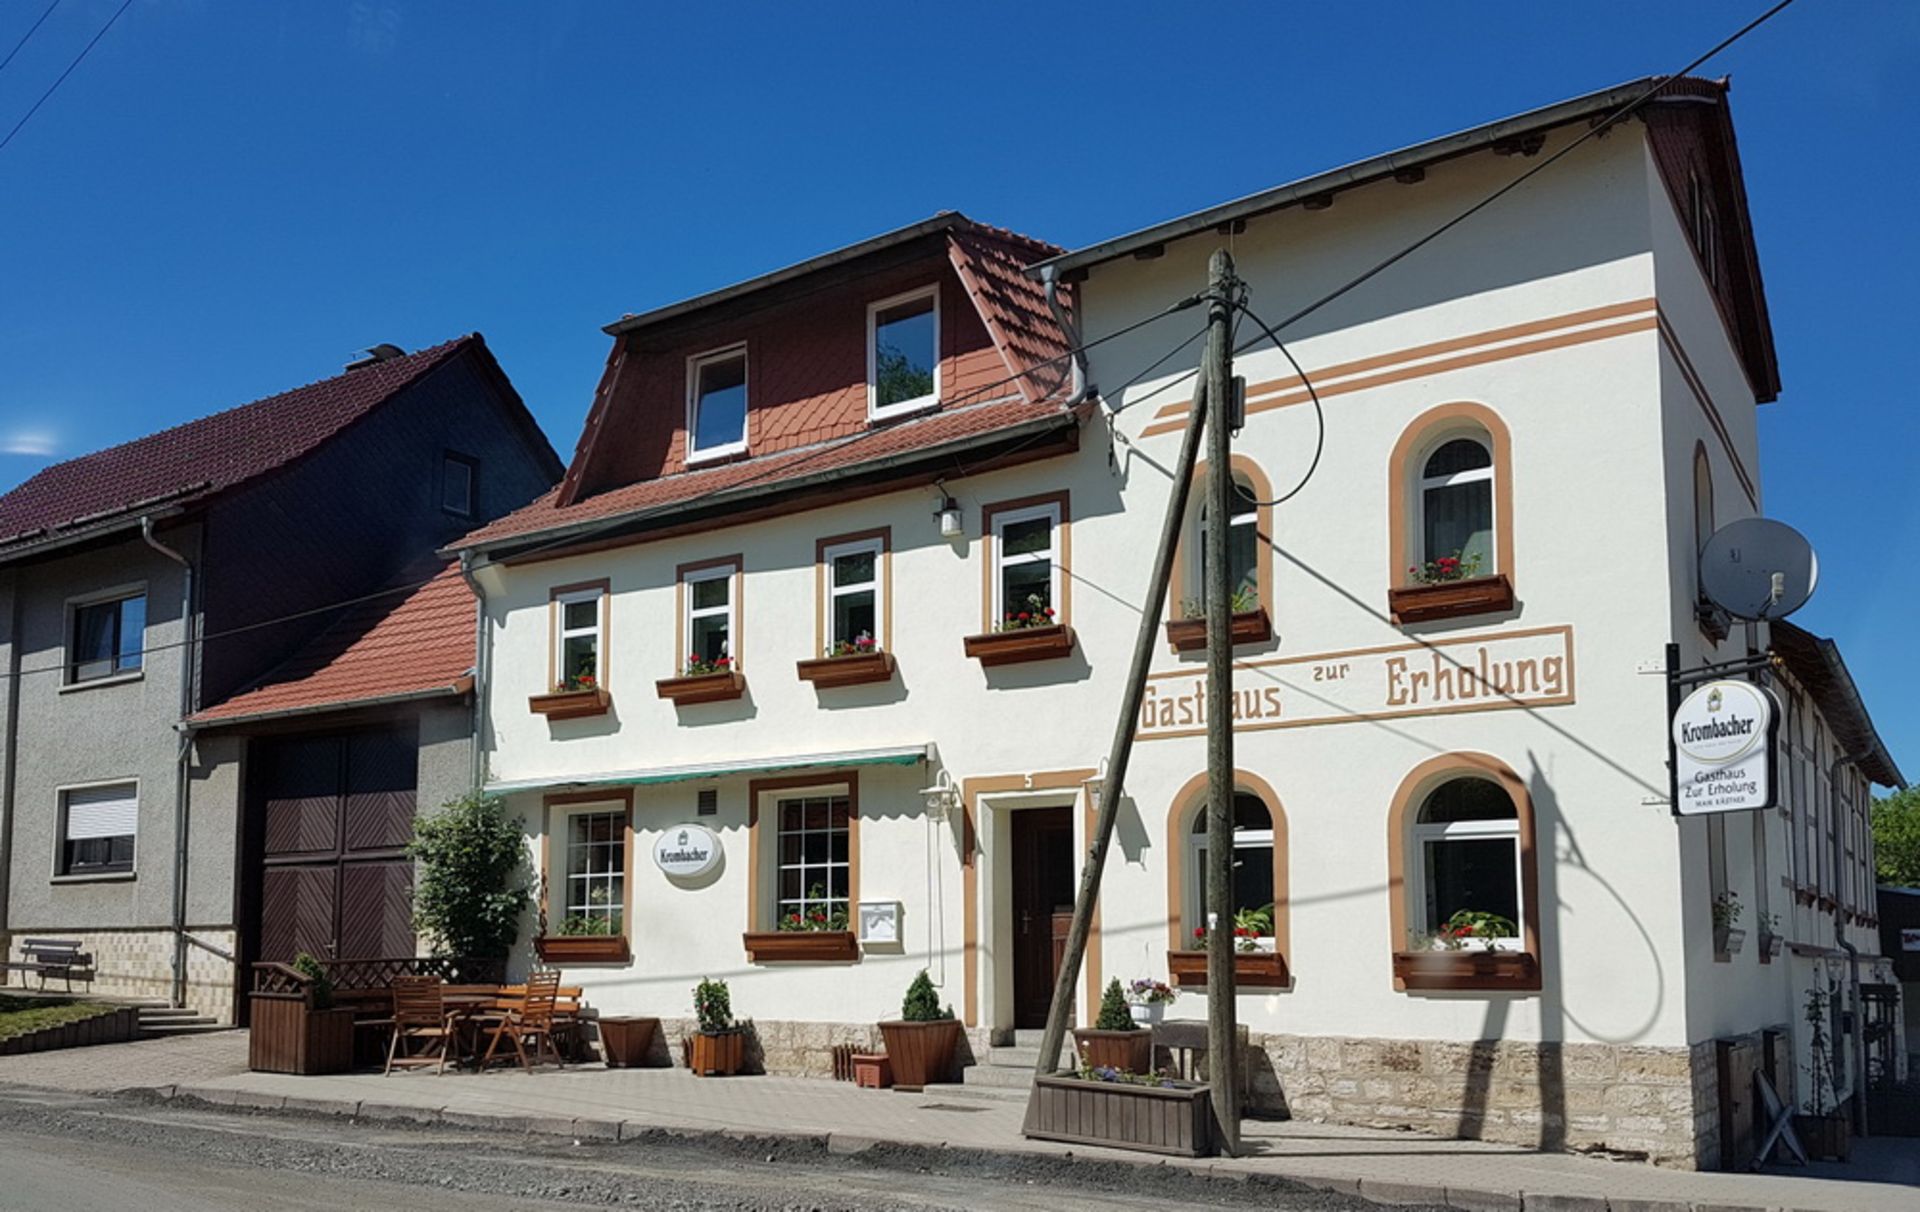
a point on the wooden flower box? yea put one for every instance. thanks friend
(1249, 627)
(1176, 1119)
(801, 946)
(571, 704)
(1450, 599)
(1020, 645)
(567, 949)
(1127, 1051)
(827, 673)
(625, 1042)
(1251, 969)
(718, 1053)
(288, 1036)
(921, 1052)
(1466, 969)
(702, 688)
(1826, 1137)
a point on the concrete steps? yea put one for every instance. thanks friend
(1006, 1073)
(160, 1019)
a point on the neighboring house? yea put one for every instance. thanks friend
(881, 449)
(204, 565)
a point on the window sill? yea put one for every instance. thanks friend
(1016, 647)
(96, 877)
(801, 947)
(1249, 627)
(1516, 971)
(724, 454)
(687, 690)
(1450, 599)
(571, 704)
(899, 412)
(862, 669)
(583, 948)
(117, 679)
(1251, 969)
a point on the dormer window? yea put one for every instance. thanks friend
(903, 354)
(717, 404)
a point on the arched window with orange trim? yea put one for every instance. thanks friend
(1259, 882)
(1249, 561)
(1450, 510)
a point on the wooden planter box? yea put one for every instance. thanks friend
(827, 673)
(921, 1053)
(702, 688)
(719, 1055)
(1825, 1136)
(872, 1070)
(288, 1036)
(1025, 644)
(1127, 1051)
(801, 946)
(571, 704)
(1249, 627)
(583, 948)
(1441, 970)
(1251, 969)
(1153, 1119)
(625, 1042)
(1450, 599)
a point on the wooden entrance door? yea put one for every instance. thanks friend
(1043, 875)
(333, 815)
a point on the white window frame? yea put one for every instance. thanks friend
(60, 795)
(1051, 513)
(828, 792)
(702, 454)
(878, 587)
(1423, 482)
(717, 572)
(562, 633)
(875, 412)
(561, 876)
(1423, 835)
(1243, 839)
(69, 660)
(1249, 517)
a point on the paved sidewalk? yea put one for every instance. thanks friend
(591, 1102)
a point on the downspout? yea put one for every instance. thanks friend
(1856, 1058)
(189, 660)
(12, 760)
(1082, 381)
(482, 652)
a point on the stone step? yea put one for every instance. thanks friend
(1004, 1077)
(1023, 1056)
(960, 1092)
(193, 1026)
(154, 1013)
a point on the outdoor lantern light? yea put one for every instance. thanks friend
(949, 515)
(943, 797)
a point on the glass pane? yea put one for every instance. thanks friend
(579, 657)
(815, 847)
(577, 615)
(789, 848)
(839, 837)
(709, 637)
(1467, 799)
(133, 632)
(790, 888)
(93, 639)
(1252, 877)
(1461, 454)
(903, 352)
(1026, 538)
(1478, 875)
(710, 592)
(790, 815)
(1026, 587)
(456, 487)
(837, 883)
(1459, 518)
(840, 813)
(1250, 812)
(855, 568)
(853, 616)
(816, 814)
(720, 411)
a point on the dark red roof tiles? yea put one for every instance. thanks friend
(195, 460)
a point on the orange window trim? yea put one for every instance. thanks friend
(1191, 800)
(553, 625)
(622, 796)
(823, 608)
(1063, 551)
(1185, 558)
(1402, 542)
(760, 849)
(735, 595)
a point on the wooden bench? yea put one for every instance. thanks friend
(56, 957)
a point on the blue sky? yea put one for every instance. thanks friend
(228, 198)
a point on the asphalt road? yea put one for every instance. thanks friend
(79, 1152)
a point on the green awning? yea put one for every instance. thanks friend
(898, 755)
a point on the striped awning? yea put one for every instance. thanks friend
(898, 755)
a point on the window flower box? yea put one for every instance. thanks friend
(692, 688)
(564, 949)
(1167, 1116)
(1450, 599)
(801, 946)
(1021, 644)
(571, 704)
(854, 669)
(1466, 968)
(1249, 627)
(1251, 969)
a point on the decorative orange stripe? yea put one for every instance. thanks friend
(1691, 378)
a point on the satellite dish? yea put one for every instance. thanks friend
(1758, 568)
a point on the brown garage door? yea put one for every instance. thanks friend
(335, 814)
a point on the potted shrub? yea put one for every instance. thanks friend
(1148, 999)
(1115, 1041)
(296, 1028)
(1727, 935)
(1822, 1127)
(720, 1044)
(922, 1041)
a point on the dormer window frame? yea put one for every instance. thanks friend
(697, 454)
(900, 408)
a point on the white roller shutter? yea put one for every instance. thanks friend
(102, 812)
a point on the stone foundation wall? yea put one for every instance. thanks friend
(1656, 1102)
(795, 1049)
(139, 964)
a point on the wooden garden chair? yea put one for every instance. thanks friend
(529, 1017)
(419, 1018)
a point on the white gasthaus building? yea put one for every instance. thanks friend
(882, 451)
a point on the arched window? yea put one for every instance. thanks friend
(1243, 548)
(1466, 870)
(1456, 510)
(1249, 561)
(1253, 883)
(1702, 500)
(1259, 863)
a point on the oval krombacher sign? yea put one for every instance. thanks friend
(687, 851)
(1723, 749)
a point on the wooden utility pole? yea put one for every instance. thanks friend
(1223, 1053)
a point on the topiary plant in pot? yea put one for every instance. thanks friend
(921, 1043)
(1115, 1041)
(720, 1044)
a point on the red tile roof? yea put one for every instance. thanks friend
(193, 461)
(404, 645)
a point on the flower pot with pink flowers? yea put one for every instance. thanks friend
(703, 680)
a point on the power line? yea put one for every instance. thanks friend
(62, 78)
(29, 34)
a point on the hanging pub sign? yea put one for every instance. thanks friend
(1723, 749)
(687, 851)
